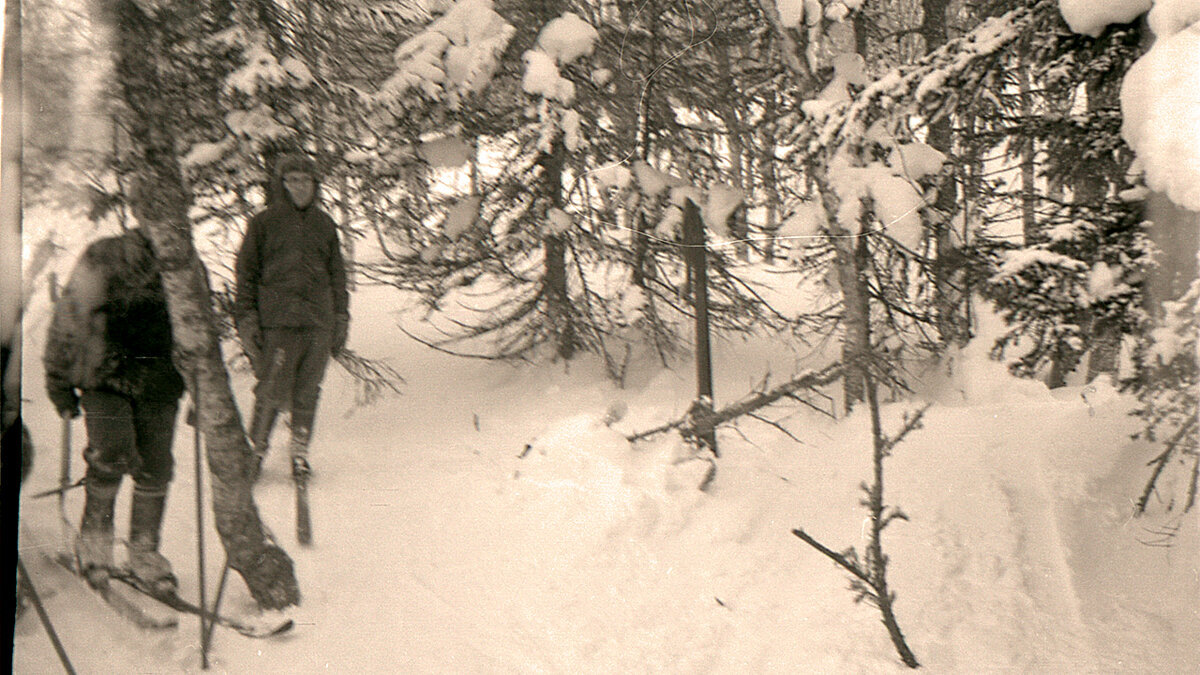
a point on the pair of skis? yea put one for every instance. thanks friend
(139, 613)
(153, 609)
(173, 600)
(132, 599)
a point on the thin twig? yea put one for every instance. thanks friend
(838, 558)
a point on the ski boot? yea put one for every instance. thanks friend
(145, 527)
(261, 423)
(94, 545)
(256, 465)
(301, 470)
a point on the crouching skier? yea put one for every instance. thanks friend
(292, 306)
(109, 350)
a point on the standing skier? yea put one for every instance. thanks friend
(292, 307)
(109, 350)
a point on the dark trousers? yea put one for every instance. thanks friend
(289, 378)
(129, 436)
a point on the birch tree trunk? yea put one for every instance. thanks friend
(160, 202)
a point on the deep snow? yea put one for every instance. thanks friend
(439, 549)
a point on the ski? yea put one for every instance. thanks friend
(173, 600)
(303, 520)
(141, 613)
(127, 605)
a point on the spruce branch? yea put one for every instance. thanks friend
(1174, 445)
(374, 378)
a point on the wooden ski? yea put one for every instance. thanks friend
(303, 519)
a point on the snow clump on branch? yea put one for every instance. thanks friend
(1091, 17)
(896, 202)
(568, 38)
(561, 41)
(1160, 95)
(1160, 100)
(454, 57)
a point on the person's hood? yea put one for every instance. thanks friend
(276, 196)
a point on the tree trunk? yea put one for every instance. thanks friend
(160, 203)
(739, 229)
(853, 260)
(948, 300)
(770, 182)
(642, 270)
(1106, 335)
(554, 283)
(1028, 149)
(1057, 376)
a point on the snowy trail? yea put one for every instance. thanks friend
(1043, 556)
(419, 499)
(438, 550)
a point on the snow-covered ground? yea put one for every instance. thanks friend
(438, 549)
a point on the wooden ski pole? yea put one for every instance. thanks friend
(216, 608)
(64, 482)
(204, 628)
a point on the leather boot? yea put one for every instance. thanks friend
(261, 423)
(145, 527)
(94, 545)
(299, 450)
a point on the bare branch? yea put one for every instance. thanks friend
(836, 557)
(694, 425)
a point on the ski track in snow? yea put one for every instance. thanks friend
(1042, 558)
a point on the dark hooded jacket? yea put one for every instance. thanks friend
(290, 271)
(110, 329)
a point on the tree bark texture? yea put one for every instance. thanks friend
(852, 260)
(948, 298)
(160, 203)
(554, 288)
(697, 255)
(1106, 336)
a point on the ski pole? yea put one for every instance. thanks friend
(216, 609)
(200, 517)
(44, 617)
(60, 491)
(64, 480)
